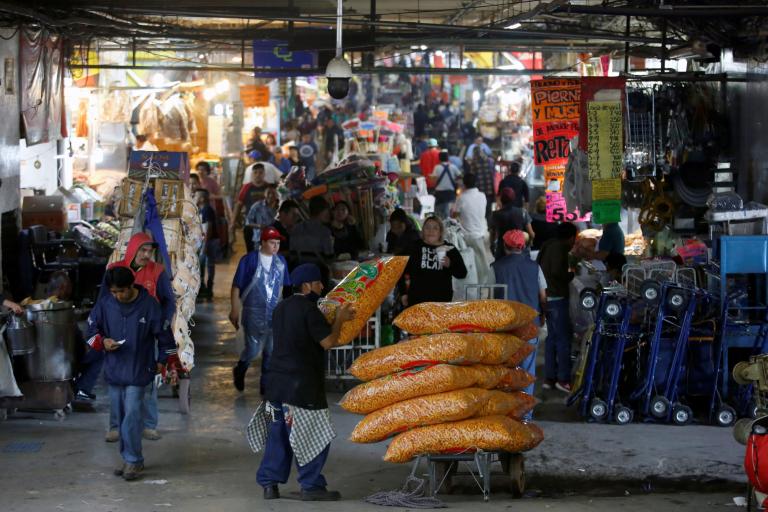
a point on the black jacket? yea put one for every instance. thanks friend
(429, 282)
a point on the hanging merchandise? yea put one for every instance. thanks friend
(81, 127)
(577, 189)
(149, 117)
(41, 72)
(174, 121)
(116, 108)
(658, 207)
(641, 145)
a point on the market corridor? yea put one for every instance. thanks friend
(203, 462)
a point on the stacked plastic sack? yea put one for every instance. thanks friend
(454, 387)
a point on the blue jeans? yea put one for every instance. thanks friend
(128, 401)
(557, 355)
(529, 365)
(255, 342)
(90, 369)
(149, 410)
(275, 467)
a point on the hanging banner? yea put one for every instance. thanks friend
(555, 105)
(605, 146)
(555, 100)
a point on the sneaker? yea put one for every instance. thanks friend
(320, 495)
(132, 471)
(565, 387)
(271, 492)
(548, 384)
(112, 436)
(150, 434)
(238, 376)
(84, 397)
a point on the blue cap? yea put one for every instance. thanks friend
(305, 273)
(432, 143)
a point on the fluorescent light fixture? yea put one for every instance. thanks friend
(514, 26)
(423, 47)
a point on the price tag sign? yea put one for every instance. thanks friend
(606, 189)
(604, 212)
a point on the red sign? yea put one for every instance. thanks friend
(555, 105)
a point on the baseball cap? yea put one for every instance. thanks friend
(271, 234)
(305, 273)
(515, 239)
(432, 143)
(507, 195)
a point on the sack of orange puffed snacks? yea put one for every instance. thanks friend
(490, 433)
(526, 332)
(518, 357)
(472, 316)
(515, 379)
(366, 287)
(371, 396)
(454, 348)
(420, 411)
(501, 403)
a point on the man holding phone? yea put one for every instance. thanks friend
(126, 323)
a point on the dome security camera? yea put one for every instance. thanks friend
(338, 73)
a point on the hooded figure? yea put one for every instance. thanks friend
(148, 274)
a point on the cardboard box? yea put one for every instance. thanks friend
(169, 195)
(130, 201)
(48, 211)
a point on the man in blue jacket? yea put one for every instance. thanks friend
(127, 323)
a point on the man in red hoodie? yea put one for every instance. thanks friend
(151, 276)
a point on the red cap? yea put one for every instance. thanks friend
(514, 239)
(271, 234)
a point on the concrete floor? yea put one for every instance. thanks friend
(203, 461)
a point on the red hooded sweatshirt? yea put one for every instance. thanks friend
(146, 276)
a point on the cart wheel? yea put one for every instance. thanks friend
(682, 415)
(59, 415)
(726, 416)
(650, 291)
(516, 474)
(184, 396)
(677, 301)
(623, 415)
(659, 407)
(444, 472)
(738, 369)
(588, 299)
(612, 309)
(598, 409)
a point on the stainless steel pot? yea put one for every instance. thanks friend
(54, 357)
(20, 335)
